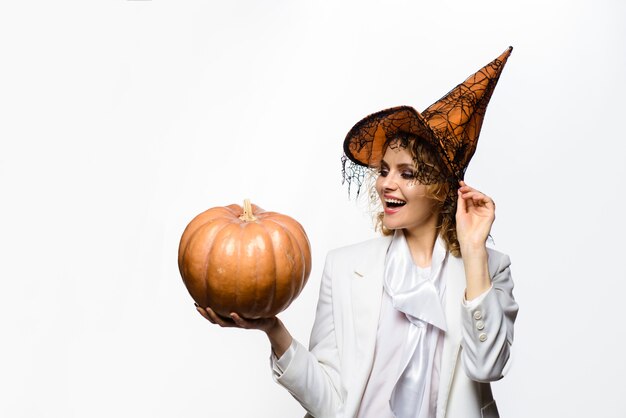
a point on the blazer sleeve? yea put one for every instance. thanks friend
(313, 376)
(488, 325)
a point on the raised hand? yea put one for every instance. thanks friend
(475, 214)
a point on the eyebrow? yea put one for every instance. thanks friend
(403, 165)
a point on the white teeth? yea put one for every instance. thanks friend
(396, 201)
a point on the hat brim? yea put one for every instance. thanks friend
(366, 140)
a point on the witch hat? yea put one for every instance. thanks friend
(451, 125)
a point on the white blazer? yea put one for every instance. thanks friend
(329, 379)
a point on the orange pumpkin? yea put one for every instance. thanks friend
(244, 260)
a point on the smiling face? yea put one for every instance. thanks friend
(403, 198)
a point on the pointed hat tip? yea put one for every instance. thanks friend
(505, 55)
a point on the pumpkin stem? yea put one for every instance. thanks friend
(247, 212)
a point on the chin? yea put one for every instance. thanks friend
(391, 225)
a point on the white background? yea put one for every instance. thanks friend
(121, 120)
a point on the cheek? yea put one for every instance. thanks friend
(416, 190)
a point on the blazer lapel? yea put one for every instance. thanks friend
(455, 289)
(366, 291)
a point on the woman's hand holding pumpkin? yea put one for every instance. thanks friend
(236, 321)
(279, 337)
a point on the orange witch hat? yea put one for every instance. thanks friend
(451, 124)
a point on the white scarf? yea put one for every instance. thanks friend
(420, 299)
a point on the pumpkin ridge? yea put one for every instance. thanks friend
(224, 232)
(197, 224)
(302, 233)
(206, 261)
(242, 229)
(264, 272)
(190, 231)
(197, 238)
(245, 228)
(305, 269)
(234, 209)
(268, 304)
(294, 287)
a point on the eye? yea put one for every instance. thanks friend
(383, 171)
(408, 175)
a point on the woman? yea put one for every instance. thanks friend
(417, 322)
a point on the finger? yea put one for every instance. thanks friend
(471, 194)
(468, 196)
(460, 203)
(474, 197)
(464, 186)
(222, 322)
(201, 311)
(239, 321)
(204, 314)
(487, 202)
(469, 203)
(478, 198)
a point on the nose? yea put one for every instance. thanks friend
(389, 183)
